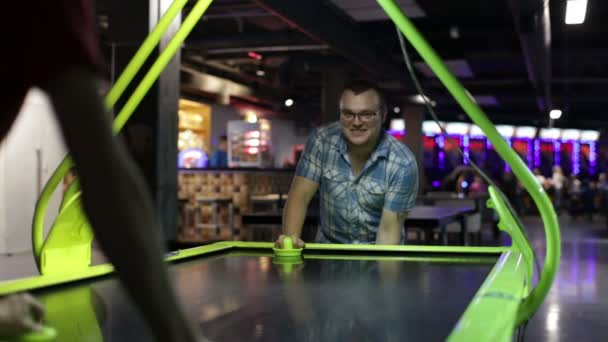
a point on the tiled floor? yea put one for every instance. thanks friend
(22, 265)
(575, 309)
(577, 305)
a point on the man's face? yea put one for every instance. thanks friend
(361, 117)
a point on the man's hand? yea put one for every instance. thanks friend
(19, 314)
(297, 242)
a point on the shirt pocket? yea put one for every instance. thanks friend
(371, 195)
(335, 184)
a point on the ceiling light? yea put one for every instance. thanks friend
(555, 114)
(575, 12)
(251, 116)
(288, 103)
(454, 32)
(419, 99)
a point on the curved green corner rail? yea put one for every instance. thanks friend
(116, 92)
(466, 101)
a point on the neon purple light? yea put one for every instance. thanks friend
(393, 131)
(441, 144)
(536, 153)
(530, 152)
(485, 150)
(576, 157)
(592, 157)
(465, 145)
(557, 153)
(440, 141)
(507, 167)
(436, 183)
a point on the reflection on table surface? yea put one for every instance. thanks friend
(249, 298)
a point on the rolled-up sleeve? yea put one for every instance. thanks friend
(310, 163)
(403, 188)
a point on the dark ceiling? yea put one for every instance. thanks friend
(478, 39)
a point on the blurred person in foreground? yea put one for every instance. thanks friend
(55, 48)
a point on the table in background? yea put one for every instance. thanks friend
(427, 218)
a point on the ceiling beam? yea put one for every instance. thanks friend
(267, 38)
(323, 25)
(533, 25)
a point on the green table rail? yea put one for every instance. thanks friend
(466, 101)
(501, 291)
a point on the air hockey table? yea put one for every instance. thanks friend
(241, 291)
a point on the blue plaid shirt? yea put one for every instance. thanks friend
(351, 206)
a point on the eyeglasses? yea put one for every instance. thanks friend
(364, 116)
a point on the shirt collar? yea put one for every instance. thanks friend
(382, 148)
(380, 151)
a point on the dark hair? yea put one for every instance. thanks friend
(223, 137)
(361, 86)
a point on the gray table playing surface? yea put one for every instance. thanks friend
(248, 298)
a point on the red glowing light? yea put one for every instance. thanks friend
(520, 146)
(477, 145)
(585, 150)
(254, 55)
(547, 147)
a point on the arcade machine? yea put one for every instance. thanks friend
(244, 291)
(458, 136)
(397, 128)
(523, 143)
(194, 128)
(589, 151)
(548, 153)
(477, 146)
(248, 143)
(495, 162)
(433, 153)
(584, 156)
(570, 151)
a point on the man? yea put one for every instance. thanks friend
(368, 180)
(219, 158)
(55, 49)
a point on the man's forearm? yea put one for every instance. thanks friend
(294, 215)
(388, 236)
(391, 226)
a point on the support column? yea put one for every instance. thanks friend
(151, 133)
(167, 129)
(413, 116)
(333, 81)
